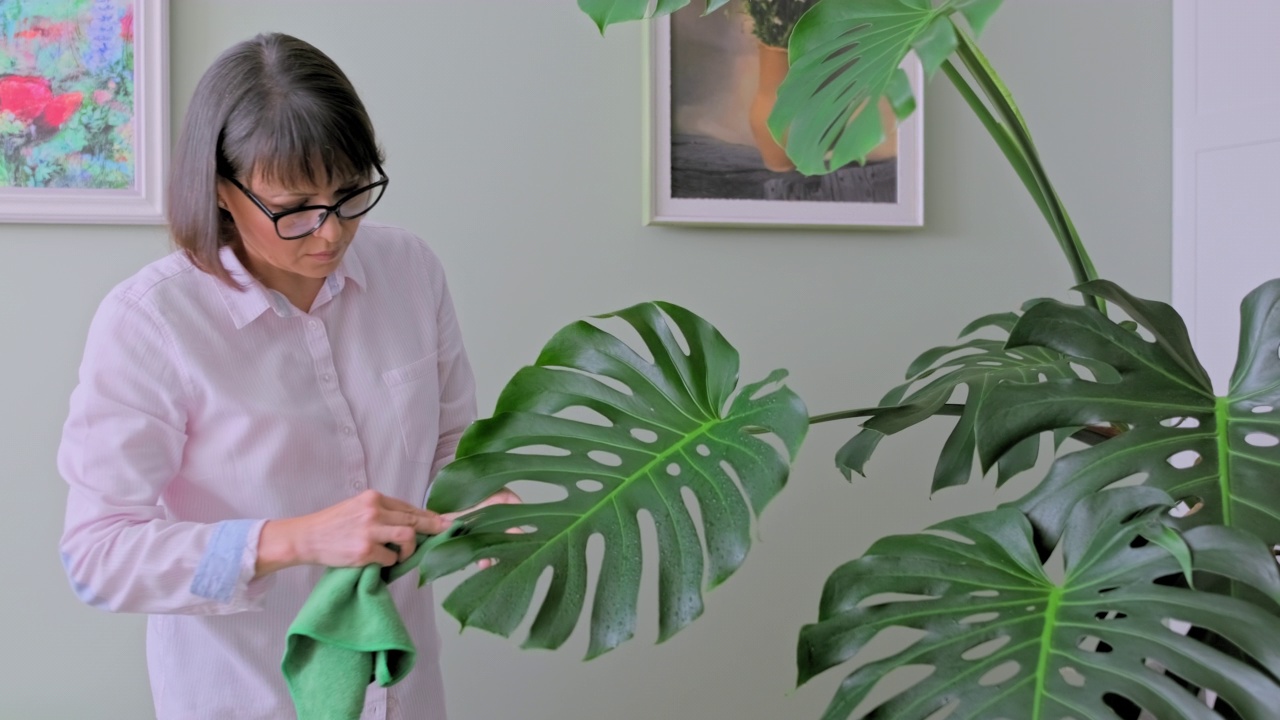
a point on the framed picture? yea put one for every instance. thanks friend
(83, 110)
(710, 159)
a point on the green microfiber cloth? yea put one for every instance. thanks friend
(347, 635)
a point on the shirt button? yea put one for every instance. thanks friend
(325, 377)
(357, 485)
(346, 429)
(313, 324)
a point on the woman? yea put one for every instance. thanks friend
(271, 400)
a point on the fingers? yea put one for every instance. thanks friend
(405, 537)
(384, 556)
(399, 512)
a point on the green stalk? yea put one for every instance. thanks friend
(949, 409)
(1007, 127)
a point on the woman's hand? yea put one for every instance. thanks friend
(502, 497)
(352, 533)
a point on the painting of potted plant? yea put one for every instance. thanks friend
(714, 82)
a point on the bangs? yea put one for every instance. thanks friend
(298, 142)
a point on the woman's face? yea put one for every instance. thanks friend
(291, 267)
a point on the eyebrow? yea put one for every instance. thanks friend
(287, 196)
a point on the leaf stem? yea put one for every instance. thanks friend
(955, 409)
(1007, 127)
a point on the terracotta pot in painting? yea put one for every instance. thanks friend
(773, 68)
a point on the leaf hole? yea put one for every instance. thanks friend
(985, 593)
(1106, 590)
(1093, 643)
(703, 450)
(644, 435)
(985, 649)
(626, 332)
(1187, 507)
(535, 492)
(611, 383)
(885, 598)
(673, 469)
(944, 712)
(979, 618)
(676, 334)
(589, 485)
(1110, 615)
(604, 457)
(1185, 459)
(1222, 707)
(584, 415)
(528, 529)
(949, 535)
(694, 508)
(1083, 372)
(1185, 423)
(767, 388)
(1003, 672)
(1124, 707)
(540, 450)
(1260, 439)
(1261, 409)
(1128, 481)
(1072, 676)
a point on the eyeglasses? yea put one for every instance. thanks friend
(299, 222)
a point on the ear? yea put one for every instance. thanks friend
(222, 199)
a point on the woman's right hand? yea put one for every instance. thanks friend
(352, 533)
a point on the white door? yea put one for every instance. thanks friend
(1226, 166)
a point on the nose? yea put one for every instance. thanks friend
(331, 229)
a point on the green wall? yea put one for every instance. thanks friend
(513, 135)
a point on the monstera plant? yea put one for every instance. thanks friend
(1138, 575)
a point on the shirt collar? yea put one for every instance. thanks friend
(254, 299)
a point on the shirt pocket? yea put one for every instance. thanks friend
(415, 400)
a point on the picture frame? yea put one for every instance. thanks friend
(84, 120)
(704, 160)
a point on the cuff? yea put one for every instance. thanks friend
(226, 569)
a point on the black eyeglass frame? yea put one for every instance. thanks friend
(334, 208)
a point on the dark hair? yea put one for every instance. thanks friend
(275, 106)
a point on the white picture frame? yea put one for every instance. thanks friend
(143, 202)
(663, 206)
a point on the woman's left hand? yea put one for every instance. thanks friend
(502, 497)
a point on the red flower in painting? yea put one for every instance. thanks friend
(60, 109)
(24, 96)
(126, 26)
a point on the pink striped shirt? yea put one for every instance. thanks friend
(202, 411)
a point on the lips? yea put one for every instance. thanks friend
(324, 256)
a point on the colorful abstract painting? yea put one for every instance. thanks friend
(67, 94)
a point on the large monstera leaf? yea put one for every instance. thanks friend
(611, 12)
(1223, 452)
(677, 424)
(1007, 642)
(977, 365)
(845, 56)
